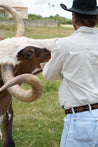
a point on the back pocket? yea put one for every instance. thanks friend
(84, 129)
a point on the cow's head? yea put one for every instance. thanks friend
(23, 57)
(30, 58)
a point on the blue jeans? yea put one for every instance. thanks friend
(80, 129)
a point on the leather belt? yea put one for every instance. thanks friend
(81, 108)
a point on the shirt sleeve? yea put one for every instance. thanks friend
(53, 69)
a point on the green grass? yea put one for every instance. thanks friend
(38, 124)
(36, 32)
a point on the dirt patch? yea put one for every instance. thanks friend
(67, 26)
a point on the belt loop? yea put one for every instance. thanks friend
(90, 107)
(73, 111)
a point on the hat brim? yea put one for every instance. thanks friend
(93, 12)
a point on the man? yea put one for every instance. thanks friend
(75, 61)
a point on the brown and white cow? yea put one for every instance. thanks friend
(19, 57)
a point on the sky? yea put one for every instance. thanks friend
(46, 8)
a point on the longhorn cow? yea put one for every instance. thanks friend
(19, 57)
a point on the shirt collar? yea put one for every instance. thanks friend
(87, 29)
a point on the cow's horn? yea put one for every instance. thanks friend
(20, 25)
(17, 91)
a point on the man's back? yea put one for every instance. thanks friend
(78, 56)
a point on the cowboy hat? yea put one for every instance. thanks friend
(87, 7)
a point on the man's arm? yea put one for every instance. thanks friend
(53, 69)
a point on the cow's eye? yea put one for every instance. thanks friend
(29, 54)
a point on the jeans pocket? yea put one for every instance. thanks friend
(84, 130)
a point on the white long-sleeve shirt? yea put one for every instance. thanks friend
(75, 61)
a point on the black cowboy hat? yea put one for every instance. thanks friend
(87, 7)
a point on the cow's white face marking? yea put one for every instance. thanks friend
(36, 70)
(41, 67)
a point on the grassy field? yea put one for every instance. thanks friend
(38, 124)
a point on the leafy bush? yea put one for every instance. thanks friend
(60, 19)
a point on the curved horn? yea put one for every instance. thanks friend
(17, 91)
(20, 25)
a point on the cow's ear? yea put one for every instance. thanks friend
(28, 54)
